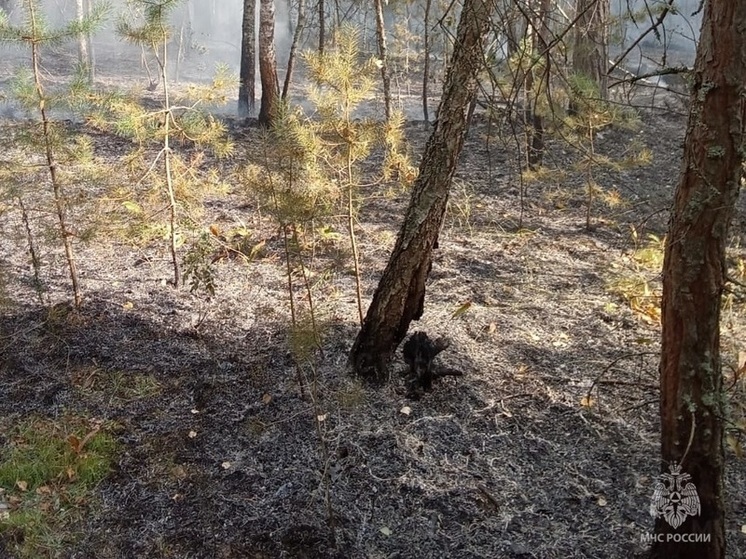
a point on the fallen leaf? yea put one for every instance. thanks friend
(492, 327)
(192, 434)
(132, 207)
(587, 402)
(22, 485)
(128, 305)
(266, 398)
(461, 310)
(226, 465)
(601, 502)
(74, 443)
(321, 418)
(406, 410)
(386, 531)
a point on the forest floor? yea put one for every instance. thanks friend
(547, 447)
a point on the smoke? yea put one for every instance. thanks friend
(676, 37)
(207, 32)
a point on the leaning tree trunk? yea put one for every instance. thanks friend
(299, 27)
(381, 35)
(268, 63)
(590, 55)
(400, 295)
(692, 398)
(248, 54)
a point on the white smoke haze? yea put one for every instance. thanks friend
(208, 32)
(205, 33)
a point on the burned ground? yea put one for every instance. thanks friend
(219, 453)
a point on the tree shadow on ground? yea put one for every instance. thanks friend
(190, 408)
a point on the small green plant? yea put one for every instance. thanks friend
(638, 282)
(48, 472)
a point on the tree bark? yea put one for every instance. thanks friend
(83, 53)
(246, 91)
(400, 295)
(590, 56)
(268, 63)
(299, 27)
(539, 84)
(322, 25)
(426, 67)
(692, 399)
(381, 35)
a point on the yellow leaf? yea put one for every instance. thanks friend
(587, 402)
(132, 207)
(128, 305)
(256, 249)
(22, 485)
(461, 310)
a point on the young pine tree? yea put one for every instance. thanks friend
(180, 120)
(342, 80)
(42, 151)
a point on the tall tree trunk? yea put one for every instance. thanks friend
(381, 34)
(299, 27)
(90, 47)
(246, 93)
(400, 295)
(590, 55)
(83, 53)
(538, 86)
(268, 63)
(322, 24)
(692, 399)
(426, 68)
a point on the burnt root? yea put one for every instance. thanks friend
(419, 354)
